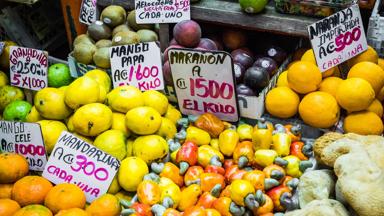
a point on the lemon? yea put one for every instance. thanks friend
(104, 81)
(368, 55)
(130, 147)
(167, 129)
(4, 57)
(69, 122)
(330, 85)
(8, 94)
(363, 123)
(143, 120)
(309, 56)
(3, 79)
(376, 107)
(369, 71)
(282, 80)
(355, 94)
(118, 123)
(114, 188)
(156, 100)
(131, 173)
(86, 139)
(112, 142)
(282, 102)
(124, 98)
(172, 114)
(83, 90)
(92, 119)
(50, 104)
(150, 148)
(34, 115)
(51, 131)
(304, 77)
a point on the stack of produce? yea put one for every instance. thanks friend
(113, 29)
(318, 97)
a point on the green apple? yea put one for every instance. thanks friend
(59, 75)
(17, 110)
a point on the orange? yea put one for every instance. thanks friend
(309, 56)
(369, 71)
(8, 207)
(304, 77)
(330, 85)
(212, 212)
(34, 210)
(6, 191)
(319, 109)
(282, 80)
(31, 190)
(381, 63)
(106, 205)
(376, 107)
(282, 102)
(380, 96)
(368, 55)
(364, 123)
(64, 196)
(72, 212)
(355, 94)
(12, 167)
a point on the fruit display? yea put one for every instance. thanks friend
(321, 98)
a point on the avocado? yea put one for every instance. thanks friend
(103, 43)
(83, 53)
(147, 35)
(120, 28)
(125, 38)
(98, 30)
(101, 58)
(113, 15)
(133, 24)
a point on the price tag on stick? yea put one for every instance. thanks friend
(154, 11)
(28, 68)
(77, 162)
(138, 65)
(88, 12)
(24, 139)
(337, 38)
(204, 82)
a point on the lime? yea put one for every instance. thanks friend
(59, 75)
(17, 110)
(253, 6)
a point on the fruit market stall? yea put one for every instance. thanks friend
(226, 108)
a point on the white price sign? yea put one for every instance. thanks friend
(24, 139)
(138, 65)
(204, 82)
(77, 162)
(337, 38)
(154, 11)
(28, 68)
(88, 12)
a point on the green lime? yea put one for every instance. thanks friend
(17, 110)
(59, 75)
(253, 6)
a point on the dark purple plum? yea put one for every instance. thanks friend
(256, 78)
(277, 53)
(242, 89)
(248, 51)
(267, 63)
(241, 57)
(239, 72)
(207, 44)
(167, 73)
(187, 33)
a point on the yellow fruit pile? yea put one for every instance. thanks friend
(323, 94)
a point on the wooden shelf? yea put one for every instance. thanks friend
(229, 13)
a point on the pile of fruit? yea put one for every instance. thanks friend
(321, 98)
(113, 29)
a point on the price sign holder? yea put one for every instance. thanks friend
(151, 11)
(74, 161)
(337, 38)
(138, 65)
(204, 82)
(25, 139)
(88, 12)
(28, 68)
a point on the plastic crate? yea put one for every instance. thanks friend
(375, 33)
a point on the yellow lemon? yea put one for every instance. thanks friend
(143, 120)
(282, 102)
(368, 55)
(118, 123)
(355, 94)
(124, 98)
(3, 79)
(51, 131)
(104, 82)
(156, 100)
(376, 107)
(309, 56)
(364, 123)
(330, 85)
(282, 80)
(131, 173)
(83, 90)
(304, 77)
(34, 115)
(150, 148)
(112, 142)
(130, 147)
(92, 119)
(172, 114)
(167, 129)
(319, 109)
(50, 104)
(369, 71)
(114, 188)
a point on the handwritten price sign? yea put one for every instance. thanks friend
(338, 38)
(88, 12)
(28, 68)
(24, 139)
(154, 11)
(204, 83)
(138, 65)
(77, 162)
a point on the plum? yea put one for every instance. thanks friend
(267, 63)
(240, 56)
(242, 89)
(239, 72)
(276, 53)
(187, 33)
(256, 78)
(207, 44)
